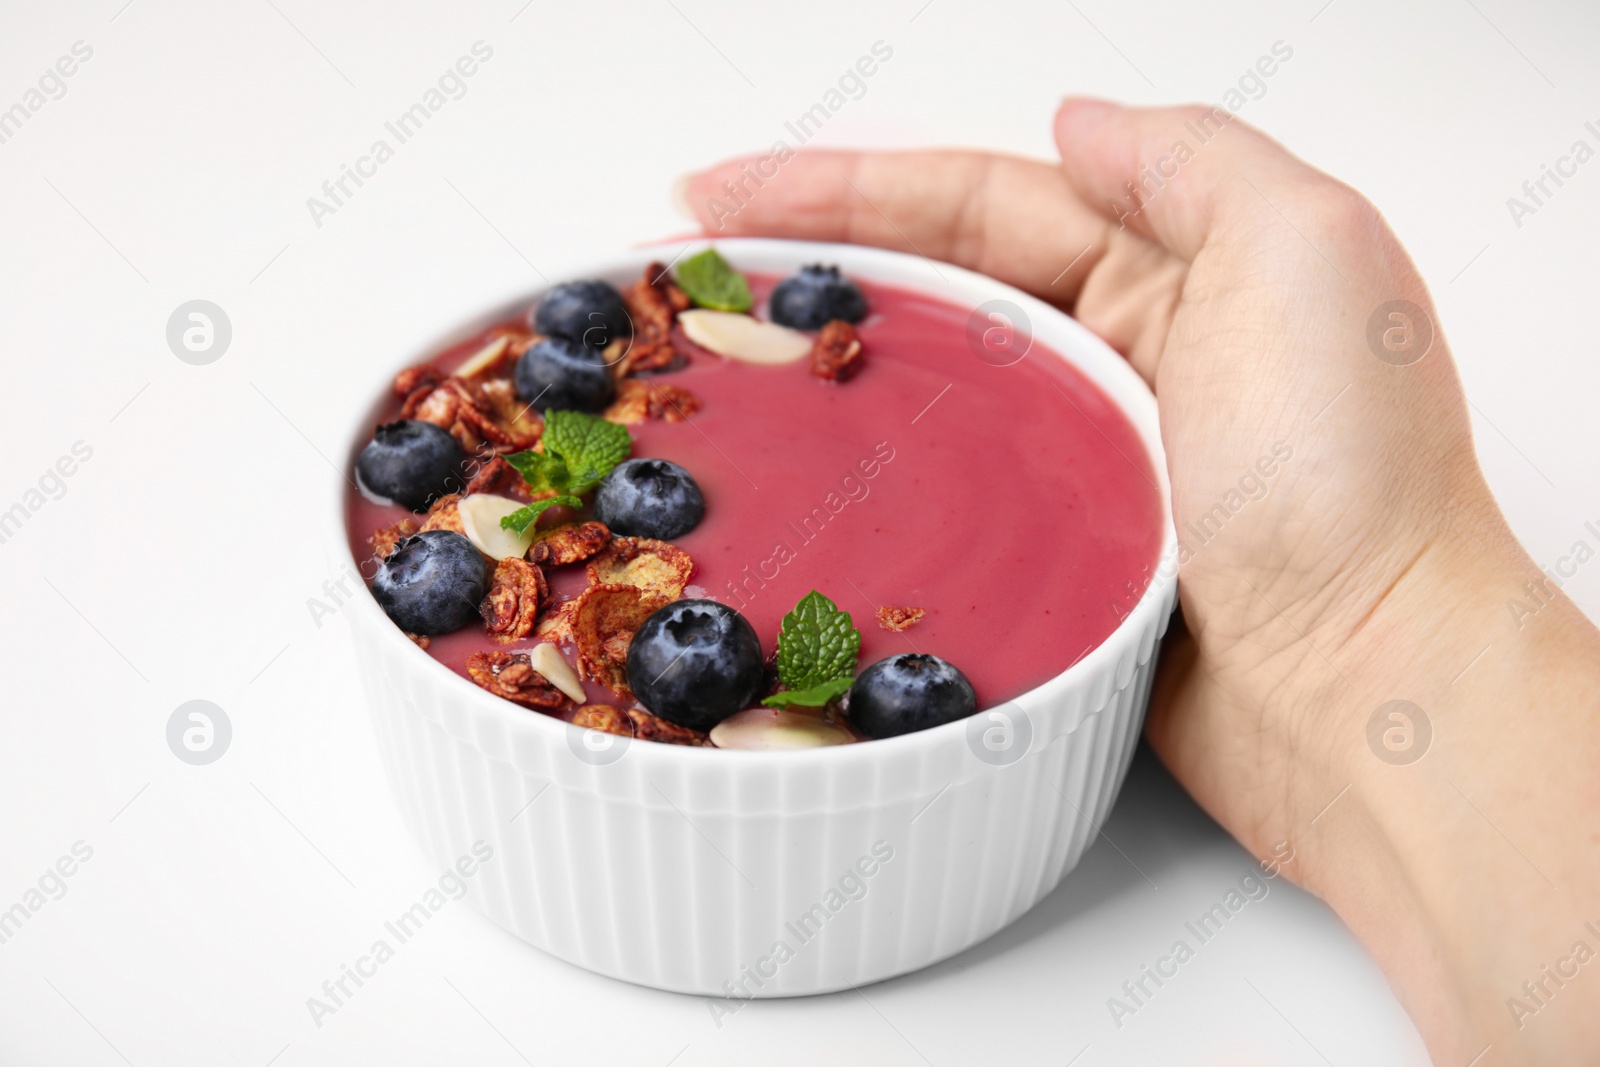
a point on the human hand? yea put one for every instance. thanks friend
(1256, 295)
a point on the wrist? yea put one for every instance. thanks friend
(1445, 851)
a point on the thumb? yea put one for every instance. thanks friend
(1174, 175)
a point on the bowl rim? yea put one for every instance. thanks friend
(1068, 339)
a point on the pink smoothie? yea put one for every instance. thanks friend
(1015, 505)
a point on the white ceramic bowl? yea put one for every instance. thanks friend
(737, 873)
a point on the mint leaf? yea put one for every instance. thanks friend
(541, 470)
(816, 696)
(586, 441)
(817, 643)
(712, 283)
(579, 450)
(525, 517)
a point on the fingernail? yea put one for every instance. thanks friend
(1078, 108)
(680, 199)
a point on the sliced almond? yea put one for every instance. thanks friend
(737, 336)
(480, 521)
(775, 728)
(548, 661)
(484, 358)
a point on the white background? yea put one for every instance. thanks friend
(179, 562)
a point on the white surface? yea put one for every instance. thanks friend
(177, 566)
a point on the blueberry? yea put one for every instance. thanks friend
(559, 372)
(432, 582)
(695, 662)
(909, 692)
(412, 463)
(649, 498)
(588, 311)
(813, 296)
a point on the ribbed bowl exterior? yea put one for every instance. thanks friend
(685, 875)
(756, 874)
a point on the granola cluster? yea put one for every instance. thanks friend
(511, 675)
(483, 416)
(497, 477)
(836, 355)
(898, 620)
(384, 539)
(653, 303)
(444, 514)
(515, 592)
(479, 405)
(628, 579)
(571, 542)
(637, 401)
(636, 722)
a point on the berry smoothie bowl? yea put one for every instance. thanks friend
(783, 615)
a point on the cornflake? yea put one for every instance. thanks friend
(603, 625)
(556, 625)
(659, 570)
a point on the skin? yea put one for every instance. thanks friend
(1376, 567)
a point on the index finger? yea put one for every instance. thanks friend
(1013, 219)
